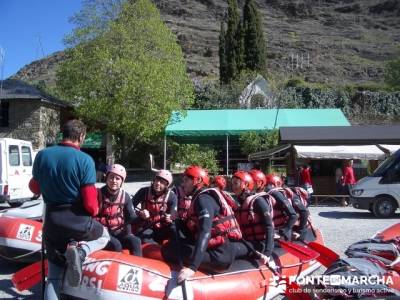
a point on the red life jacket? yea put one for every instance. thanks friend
(183, 203)
(302, 193)
(279, 216)
(250, 223)
(111, 213)
(156, 206)
(229, 199)
(224, 225)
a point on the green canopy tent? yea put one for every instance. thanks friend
(197, 126)
(93, 140)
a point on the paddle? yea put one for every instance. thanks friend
(303, 253)
(326, 256)
(29, 276)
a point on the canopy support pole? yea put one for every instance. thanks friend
(165, 152)
(227, 155)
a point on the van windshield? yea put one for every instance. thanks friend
(386, 165)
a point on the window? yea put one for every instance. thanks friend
(393, 174)
(26, 156)
(4, 113)
(13, 152)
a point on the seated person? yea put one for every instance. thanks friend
(254, 215)
(285, 216)
(211, 226)
(298, 197)
(116, 212)
(158, 209)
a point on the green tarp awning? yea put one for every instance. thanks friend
(208, 123)
(92, 141)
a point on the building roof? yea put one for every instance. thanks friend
(208, 123)
(340, 135)
(13, 89)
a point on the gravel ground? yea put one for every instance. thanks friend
(341, 226)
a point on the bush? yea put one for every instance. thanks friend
(189, 154)
(251, 141)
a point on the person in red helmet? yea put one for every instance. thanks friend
(259, 179)
(298, 198)
(210, 228)
(219, 182)
(116, 212)
(158, 209)
(254, 215)
(284, 214)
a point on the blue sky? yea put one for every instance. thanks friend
(24, 22)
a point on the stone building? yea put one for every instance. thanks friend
(29, 114)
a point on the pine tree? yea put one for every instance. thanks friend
(254, 43)
(240, 49)
(231, 43)
(222, 55)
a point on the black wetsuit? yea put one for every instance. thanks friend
(262, 209)
(283, 204)
(303, 215)
(193, 250)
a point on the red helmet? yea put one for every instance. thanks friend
(118, 170)
(197, 172)
(274, 180)
(257, 175)
(245, 178)
(220, 182)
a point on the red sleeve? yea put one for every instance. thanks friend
(89, 197)
(34, 186)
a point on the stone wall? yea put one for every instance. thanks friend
(50, 123)
(32, 120)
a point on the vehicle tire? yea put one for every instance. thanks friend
(384, 208)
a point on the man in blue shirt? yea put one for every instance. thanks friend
(65, 177)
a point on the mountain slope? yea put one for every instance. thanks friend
(331, 41)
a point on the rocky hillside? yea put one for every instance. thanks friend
(336, 41)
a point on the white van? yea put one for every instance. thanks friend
(16, 160)
(380, 192)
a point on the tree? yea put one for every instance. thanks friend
(392, 74)
(251, 141)
(194, 154)
(129, 77)
(254, 43)
(231, 42)
(93, 19)
(240, 49)
(222, 54)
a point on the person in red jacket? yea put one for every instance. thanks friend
(65, 176)
(348, 177)
(305, 181)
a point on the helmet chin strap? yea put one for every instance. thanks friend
(113, 191)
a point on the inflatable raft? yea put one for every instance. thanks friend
(110, 275)
(21, 232)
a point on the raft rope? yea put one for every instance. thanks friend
(20, 256)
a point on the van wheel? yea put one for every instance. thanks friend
(384, 208)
